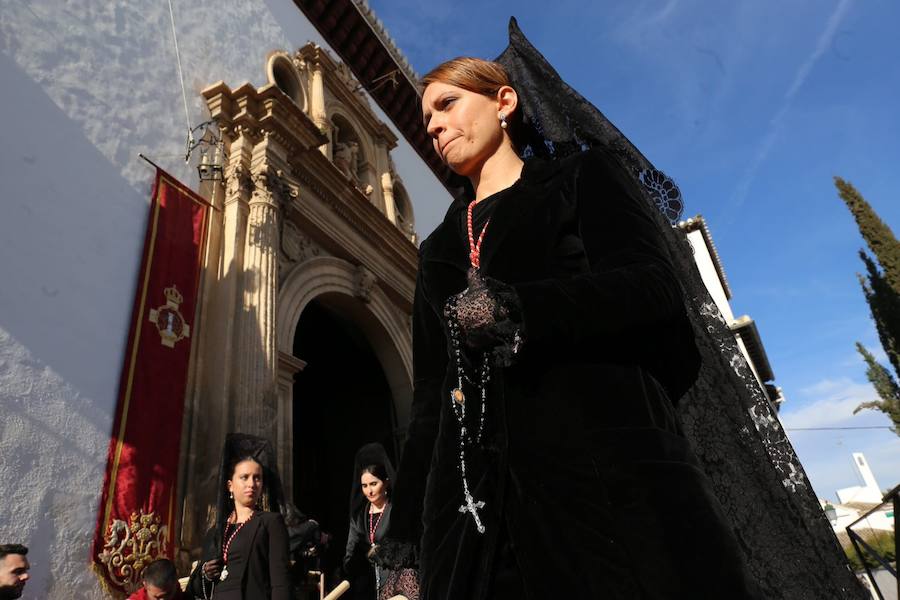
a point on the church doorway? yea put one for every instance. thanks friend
(342, 400)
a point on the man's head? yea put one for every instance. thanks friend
(160, 580)
(13, 570)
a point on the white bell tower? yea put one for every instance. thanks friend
(869, 491)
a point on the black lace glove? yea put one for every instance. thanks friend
(394, 555)
(488, 314)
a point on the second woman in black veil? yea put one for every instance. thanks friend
(370, 516)
(370, 511)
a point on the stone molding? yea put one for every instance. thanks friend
(296, 245)
(327, 274)
(364, 281)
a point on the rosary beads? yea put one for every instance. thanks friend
(457, 395)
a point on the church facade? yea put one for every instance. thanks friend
(307, 294)
(302, 330)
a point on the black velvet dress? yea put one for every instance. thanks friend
(257, 562)
(590, 489)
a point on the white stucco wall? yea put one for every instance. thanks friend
(88, 85)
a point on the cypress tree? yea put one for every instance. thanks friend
(881, 288)
(885, 385)
(878, 235)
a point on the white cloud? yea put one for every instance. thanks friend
(832, 404)
(666, 11)
(777, 122)
(830, 467)
(643, 21)
(825, 454)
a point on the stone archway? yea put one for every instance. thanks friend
(354, 348)
(350, 290)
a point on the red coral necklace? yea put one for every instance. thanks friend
(227, 545)
(475, 247)
(373, 525)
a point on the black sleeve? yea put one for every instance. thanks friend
(429, 366)
(354, 557)
(279, 572)
(209, 553)
(304, 535)
(631, 282)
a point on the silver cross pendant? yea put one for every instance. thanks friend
(471, 506)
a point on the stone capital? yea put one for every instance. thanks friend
(364, 282)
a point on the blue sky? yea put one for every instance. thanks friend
(752, 107)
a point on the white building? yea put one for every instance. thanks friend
(846, 514)
(868, 492)
(744, 328)
(89, 85)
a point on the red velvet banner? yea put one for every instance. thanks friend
(136, 516)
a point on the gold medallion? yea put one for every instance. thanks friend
(457, 396)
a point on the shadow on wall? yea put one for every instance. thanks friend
(72, 231)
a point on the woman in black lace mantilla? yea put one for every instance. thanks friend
(370, 517)
(555, 462)
(566, 439)
(245, 554)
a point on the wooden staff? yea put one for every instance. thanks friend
(338, 591)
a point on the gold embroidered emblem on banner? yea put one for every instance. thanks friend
(129, 547)
(168, 319)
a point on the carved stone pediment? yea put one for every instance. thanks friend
(364, 282)
(296, 245)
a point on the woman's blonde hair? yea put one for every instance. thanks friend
(473, 74)
(477, 75)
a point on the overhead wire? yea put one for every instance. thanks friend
(187, 114)
(833, 428)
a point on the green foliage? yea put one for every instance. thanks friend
(878, 235)
(881, 287)
(885, 385)
(881, 541)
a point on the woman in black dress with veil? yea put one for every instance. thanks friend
(245, 555)
(370, 516)
(370, 511)
(551, 346)
(560, 396)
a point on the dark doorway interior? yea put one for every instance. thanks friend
(341, 401)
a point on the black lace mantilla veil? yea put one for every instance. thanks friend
(788, 543)
(370, 454)
(241, 445)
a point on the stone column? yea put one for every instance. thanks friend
(387, 192)
(288, 367)
(255, 409)
(317, 105)
(211, 393)
(238, 188)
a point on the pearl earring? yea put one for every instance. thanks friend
(503, 123)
